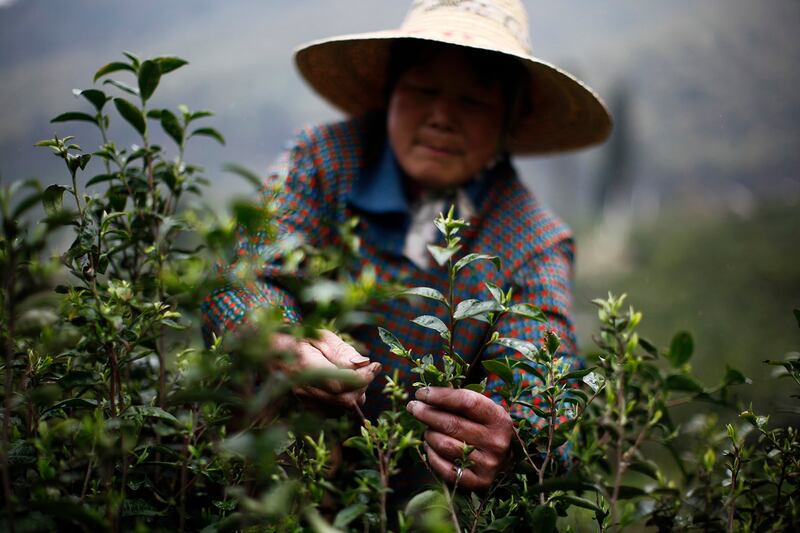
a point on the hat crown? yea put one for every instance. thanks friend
(505, 20)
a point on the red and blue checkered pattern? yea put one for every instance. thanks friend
(316, 175)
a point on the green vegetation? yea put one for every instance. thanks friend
(116, 417)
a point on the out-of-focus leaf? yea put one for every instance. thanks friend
(682, 383)
(171, 126)
(137, 507)
(100, 178)
(169, 63)
(151, 412)
(209, 132)
(248, 175)
(317, 523)
(348, 514)
(53, 199)
(680, 349)
(112, 67)
(543, 519)
(95, 96)
(442, 255)
(74, 116)
(132, 114)
(70, 512)
(149, 76)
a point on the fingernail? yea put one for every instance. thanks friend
(410, 406)
(359, 359)
(362, 399)
(376, 367)
(422, 394)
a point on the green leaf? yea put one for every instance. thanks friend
(471, 258)
(680, 349)
(683, 383)
(76, 116)
(171, 126)
(317, 523)
(209, 132)
(137, 507)
(113, 67)
(151, 412)
(431, 322)
(391, 341)
(149, 76)
(348, 514)
(95, 96)
(553, 342)
(528, 349)
(169, 63)
(734, 377)
(442, 255)
(581, 502)
(424, 501)
(496, 292)
(53, 199)
(100, 178)
(123, 87)
(501, 368)
(72, 403)
(132, 114)
(543, 519)
(133, 57)
(248, 175)
(594, 380)
(528, 311)
(476, 309)
(425, 292)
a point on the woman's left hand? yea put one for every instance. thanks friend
(460, 416)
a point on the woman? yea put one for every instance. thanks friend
(438, 106)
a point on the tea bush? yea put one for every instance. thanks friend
(116, 416)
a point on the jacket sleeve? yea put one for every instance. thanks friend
(291, 191)
(546, 282)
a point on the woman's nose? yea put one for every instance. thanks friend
(443, 113)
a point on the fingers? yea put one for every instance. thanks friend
(447, 471)
(467, 403)
(337, 351)
(447, 423)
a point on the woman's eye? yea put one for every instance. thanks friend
(423, 90)
(473, 101)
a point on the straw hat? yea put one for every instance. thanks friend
(350, 71)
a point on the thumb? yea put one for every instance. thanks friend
(340, 353)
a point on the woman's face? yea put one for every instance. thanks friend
(444, 124)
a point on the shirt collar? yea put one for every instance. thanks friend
(378, 189)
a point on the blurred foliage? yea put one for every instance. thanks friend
(731, 280)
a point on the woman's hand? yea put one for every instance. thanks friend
(460, 416)
(329, 351)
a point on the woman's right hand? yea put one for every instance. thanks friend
(328, 351)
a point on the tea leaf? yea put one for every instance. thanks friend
(209, 132)
(528, 349)
(442, 255)
(248, 175)
(100, 178)
(543, 519)
(495, 291)
(471, 258)
(132, 114)
(426, 292)
(171, 126)
(500, 368)
(392, 342)
(476, 309)
(169, 63)
(112, 67)
(76, 116)
(95, 96)
(348, 514)
(680, 350)
(123, 87)
(528, 311)
(149, 76)
(431, 322)
(53, 199)
(683, 383)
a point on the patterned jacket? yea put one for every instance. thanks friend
(323, 178)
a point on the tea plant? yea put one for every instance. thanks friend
(117, 417)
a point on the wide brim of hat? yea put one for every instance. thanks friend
(350, 72)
